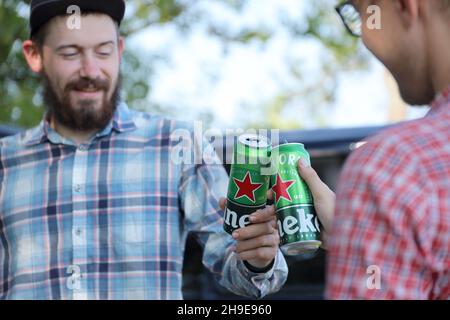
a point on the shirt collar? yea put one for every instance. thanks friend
(123, 119)
(441, 101)
(122, 122)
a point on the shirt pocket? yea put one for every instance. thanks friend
(132, 235)
(135, 233)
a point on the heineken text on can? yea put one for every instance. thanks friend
(298, 223)
(247, 188)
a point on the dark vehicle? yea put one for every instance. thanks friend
(329, 149)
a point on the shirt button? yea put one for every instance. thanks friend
(77, 188)
(78, 232)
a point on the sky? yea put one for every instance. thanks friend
(199, 77)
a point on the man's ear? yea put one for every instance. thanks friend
(408, 11)
(32, 55)
(121, 45)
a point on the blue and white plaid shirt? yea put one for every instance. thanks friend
(109, 219)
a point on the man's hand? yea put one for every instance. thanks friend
(324, 198)
(258, 242)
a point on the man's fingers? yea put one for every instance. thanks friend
(263, 215)
(253, 231)
(317, 186)
(274, 225)
(270, 194)
(222, 203)
(324, 197)
(268, 240)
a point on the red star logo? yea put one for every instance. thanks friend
(246, 188)
(280, 189)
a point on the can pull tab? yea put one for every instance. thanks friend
(253, 140)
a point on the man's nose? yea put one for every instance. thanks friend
(90, 67)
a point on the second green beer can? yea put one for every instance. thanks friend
(248, 184)
(298, 223)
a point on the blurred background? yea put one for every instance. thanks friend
(282, 64)
(288, 63)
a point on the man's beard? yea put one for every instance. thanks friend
(86, 117)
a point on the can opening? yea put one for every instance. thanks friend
(254, 141)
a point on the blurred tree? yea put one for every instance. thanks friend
(309, 95)
(21, 103)
(17, 84)
(313, 96)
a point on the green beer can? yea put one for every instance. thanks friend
(298, 223)
(248, 185)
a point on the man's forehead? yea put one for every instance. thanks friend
(91, 30)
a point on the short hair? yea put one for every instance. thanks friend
(41, 34)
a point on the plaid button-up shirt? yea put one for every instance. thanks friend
(391, 234)
(109, 219)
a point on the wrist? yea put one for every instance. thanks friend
(259, 269)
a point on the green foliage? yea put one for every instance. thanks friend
(147, 12)
(17, 84)
(21, 103)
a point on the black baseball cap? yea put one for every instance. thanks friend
(41, 11)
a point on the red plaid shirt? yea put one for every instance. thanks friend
(391, 234)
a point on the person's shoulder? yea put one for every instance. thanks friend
(15, 145)
(19, 140)
(188, 136)
(155, 123)
(9, 140)
(392, 148)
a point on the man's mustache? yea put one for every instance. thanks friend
(88, 83)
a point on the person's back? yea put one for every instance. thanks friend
(391, 234)
(392, 239)
(388, 233)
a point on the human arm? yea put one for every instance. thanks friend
(200, 190)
